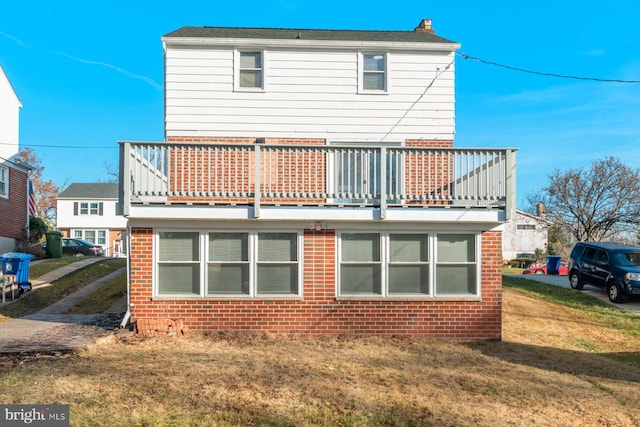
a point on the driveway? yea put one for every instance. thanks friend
(633, 304)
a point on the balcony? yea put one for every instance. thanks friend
(259, 176)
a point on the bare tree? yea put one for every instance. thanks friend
(112, 173)
(593, 204)
(45, 192)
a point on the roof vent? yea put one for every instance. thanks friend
(425, 26)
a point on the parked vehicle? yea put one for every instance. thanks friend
(542, 269)
(79, 247)
(613, 266)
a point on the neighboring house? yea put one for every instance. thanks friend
(308, 184)
(523, 234)
(14, 175)
(88, 211)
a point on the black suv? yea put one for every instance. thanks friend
(613, 266)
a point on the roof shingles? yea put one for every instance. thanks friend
(307, 34)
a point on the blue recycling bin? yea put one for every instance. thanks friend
(553, 264)
(17, 263)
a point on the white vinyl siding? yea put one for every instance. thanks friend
(310, 93)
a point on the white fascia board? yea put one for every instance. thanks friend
(309, 44)
(280, 213)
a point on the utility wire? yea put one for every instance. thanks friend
(60, 146)
(540, 73)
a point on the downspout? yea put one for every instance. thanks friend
(127, 315)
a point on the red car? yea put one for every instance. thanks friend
(542, 269)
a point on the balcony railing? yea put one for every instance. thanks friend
(258, 174)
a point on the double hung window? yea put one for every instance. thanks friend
(250, 70)
(406, 264)
(97, 237)
(232, 263)
(4, 181)
(374, 72)
(88, 208)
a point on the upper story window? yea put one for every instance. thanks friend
(249, 70)
(525, 226)
(88, 208)
(4, 181)
(373, 72)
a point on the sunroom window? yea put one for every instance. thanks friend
(277, 266)
(179, 263)
(405, 264)
(360, 264)
(408, 264)
(228, 263)
(456, 269)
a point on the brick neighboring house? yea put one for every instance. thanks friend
(308, 184)
(88, 211)
(14, 175)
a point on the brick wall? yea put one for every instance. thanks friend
(319, 312)
(13, 211)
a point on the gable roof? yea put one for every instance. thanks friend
(92, 191)
(9, 86)
(307, 34)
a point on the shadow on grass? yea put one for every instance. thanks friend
(624, 366)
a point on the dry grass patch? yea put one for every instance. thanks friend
(541, 375)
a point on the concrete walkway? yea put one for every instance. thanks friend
(50, 330)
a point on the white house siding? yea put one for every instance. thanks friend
(312, 94)
(109, 219)
(516, 242)
(9, 118)
(114, 225)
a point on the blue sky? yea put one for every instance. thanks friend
(90, 74)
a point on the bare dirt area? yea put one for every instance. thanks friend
(551, 369)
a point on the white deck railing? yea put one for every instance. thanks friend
(259, 174)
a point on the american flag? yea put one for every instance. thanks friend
(32, 200)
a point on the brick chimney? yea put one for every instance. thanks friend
(425, 26)
(541, 210)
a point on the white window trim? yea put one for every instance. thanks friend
(236, 71)
(431, 261)
(253, 263)
(97, 231)
(5, 194)
(361, 72)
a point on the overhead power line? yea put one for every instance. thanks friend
(540, 73)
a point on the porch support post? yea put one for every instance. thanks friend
(383, 182)
(125, 178)
(510, 184)
(256, 190)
